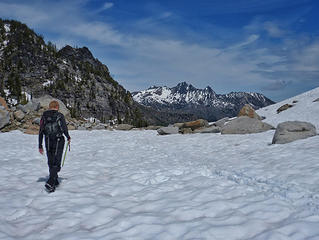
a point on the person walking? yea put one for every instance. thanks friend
(53, 127)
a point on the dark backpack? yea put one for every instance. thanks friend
(52, 126)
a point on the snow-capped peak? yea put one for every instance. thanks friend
(185, 93)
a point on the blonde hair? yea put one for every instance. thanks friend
(54, 104)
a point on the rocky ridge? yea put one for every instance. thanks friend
(31, 68)
(201, 103)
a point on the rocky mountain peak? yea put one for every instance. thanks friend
(80, 54)
(183, 88)
(30, 67)
(204, 103)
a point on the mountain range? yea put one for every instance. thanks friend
(200, 103)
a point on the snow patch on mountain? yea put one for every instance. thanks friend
(7, 27)
(181, 94)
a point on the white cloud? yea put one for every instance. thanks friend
(274, 30)
(101, 32)
(107, 5)
(23, 12)
(252, 38)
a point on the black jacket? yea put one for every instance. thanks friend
(51, 113)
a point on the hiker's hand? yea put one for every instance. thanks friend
(41, 151)
(69, 140)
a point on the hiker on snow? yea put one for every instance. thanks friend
(53, 126)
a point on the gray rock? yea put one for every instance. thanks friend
(29, 107)
(211, 129)
(248, 111)
(185, 130)
(293, 130)
(45, 100)
(22, 108)
(245, 125)
(179, 125)
(152, 127)
(4, 117)
(316, 100)
(284, 107)
(168, 130)
(19, 115)
(36, 121)
(221, 122)
(124, 127)
(87, 125)
(32, 106)
(98, 127)
(199, 123)
(82, 128)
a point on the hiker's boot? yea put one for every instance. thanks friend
(50, 185)
(57, 183)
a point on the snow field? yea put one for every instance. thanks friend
(138, 185)
(304, 109)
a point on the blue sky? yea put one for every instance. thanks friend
(271, 47)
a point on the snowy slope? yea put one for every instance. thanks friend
(138, 185)
(305, 109)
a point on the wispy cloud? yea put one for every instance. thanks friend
(106, 6)
(273, 29)
(277, 85)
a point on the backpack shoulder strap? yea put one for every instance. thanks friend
(58, 120)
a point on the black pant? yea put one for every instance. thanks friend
(54, 149)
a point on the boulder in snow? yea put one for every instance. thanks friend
(248, 111)
(196, 124)
(284, 107)
(98, 127)
(168, 130)
(221, 122)
(293, 130)
(245, 125)
(211, 129)
(124, 127)
(179, 125)
(152, 127)
(185, 130)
